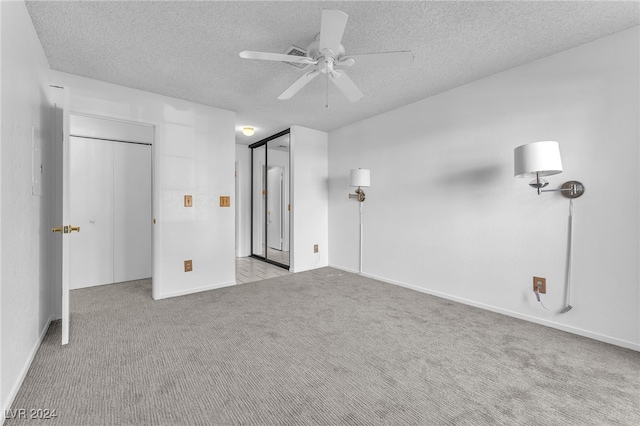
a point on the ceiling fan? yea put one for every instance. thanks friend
(328, 57)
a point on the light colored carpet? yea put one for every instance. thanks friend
(322, 347)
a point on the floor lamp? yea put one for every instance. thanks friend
(360, 178)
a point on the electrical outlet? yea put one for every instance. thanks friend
(225, 201)
(188, 265)
(540, 284)
(315, 248)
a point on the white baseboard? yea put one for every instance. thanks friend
(547, 323)
(308, 268)
(342, 268)
(193, 290)
(23, 373)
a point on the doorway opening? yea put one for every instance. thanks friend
(110, 200)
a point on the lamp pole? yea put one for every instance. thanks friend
(360, 267)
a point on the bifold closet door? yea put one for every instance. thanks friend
(132, 211)
(91, 208)
(110, 199)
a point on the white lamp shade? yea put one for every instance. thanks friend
(537, 157)
(360, 177)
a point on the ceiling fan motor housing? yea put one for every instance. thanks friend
(314, 53)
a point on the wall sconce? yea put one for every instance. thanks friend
(359, 178)
(543, 159)
(538, 159)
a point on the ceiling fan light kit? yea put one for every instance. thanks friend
(327, 55)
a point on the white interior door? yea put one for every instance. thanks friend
(60, 203)
(91, 208)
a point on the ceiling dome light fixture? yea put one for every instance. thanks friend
(248, 131)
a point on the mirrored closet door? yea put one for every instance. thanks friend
(270, 202)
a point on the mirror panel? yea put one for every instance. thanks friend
(278, 205)
(258, 200)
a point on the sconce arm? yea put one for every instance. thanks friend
(556, 190)
(570, 189)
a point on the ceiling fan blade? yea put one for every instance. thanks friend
(247, 54)
(383, 59)
(332, 28)
(346, 86)
(299, 84)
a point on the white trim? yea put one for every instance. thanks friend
(547, 323)
(32, 354)
(96, 127)
(342, 268)
(193, 290)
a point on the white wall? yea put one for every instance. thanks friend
(309, 207)
(444, 214)
(243, 201)
(193, 155)
(26, 303)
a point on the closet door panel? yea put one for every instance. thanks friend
(91, 208)
(132, 211)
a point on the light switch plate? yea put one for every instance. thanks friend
(188, 265)
(188, 201)
(225, 201)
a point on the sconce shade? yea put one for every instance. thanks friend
(537, 157)
(360, 177)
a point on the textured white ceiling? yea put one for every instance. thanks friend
(189, 50)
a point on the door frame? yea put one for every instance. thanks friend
(100, 115)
